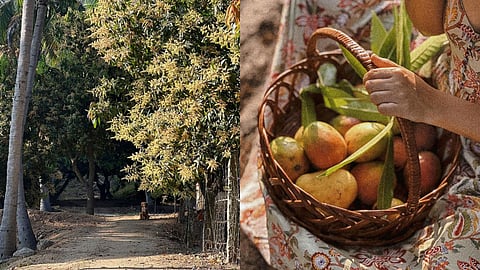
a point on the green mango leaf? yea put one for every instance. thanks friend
(403, 32)
(388, 48)
(425, 51)
(360, 108)
(308, 112)
(378, 33)
(334, 97)
(334, 92)
(363, 110)
(346, 86)
(360, 92)
(387, 183)
(354, 62)
(399, 36)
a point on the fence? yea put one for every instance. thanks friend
(223, 234)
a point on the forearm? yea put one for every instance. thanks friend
(426, 15)
(452, 113)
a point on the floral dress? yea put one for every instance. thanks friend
(451, 236)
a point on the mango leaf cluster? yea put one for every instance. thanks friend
(181, 96)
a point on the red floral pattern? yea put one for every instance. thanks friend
(388, 257)
(465, 52)
(472, 264)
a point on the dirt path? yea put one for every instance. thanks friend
(112, 242)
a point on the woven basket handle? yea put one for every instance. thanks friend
(406, 126)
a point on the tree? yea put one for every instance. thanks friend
(59, 123)
(8, 228)
(183, 105)
(26, 237)
(182, 111)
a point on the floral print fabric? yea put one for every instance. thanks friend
(465, 52)
(302, 17)
(451, 236)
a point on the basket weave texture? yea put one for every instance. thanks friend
(280, 115)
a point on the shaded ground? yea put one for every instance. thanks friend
(112, 240)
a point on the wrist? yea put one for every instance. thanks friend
(431, 103)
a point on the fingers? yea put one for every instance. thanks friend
(385, 69)
(387, 102)
(380, 96)
(382, 62)
(379, 80)
(390, 87)
(380, 74)
(388, 108)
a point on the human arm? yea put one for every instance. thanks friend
(399, 92)
(426, 15)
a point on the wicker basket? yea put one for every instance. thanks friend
(279, 115)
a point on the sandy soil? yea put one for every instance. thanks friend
(122, 241)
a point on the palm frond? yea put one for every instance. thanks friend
(7, 12)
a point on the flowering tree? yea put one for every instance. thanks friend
(180, 106)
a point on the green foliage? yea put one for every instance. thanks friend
(61, 94)
(425, 51)
(182, 99)
(7, 83)
(126, 192)
(8, 14)
(58, 128)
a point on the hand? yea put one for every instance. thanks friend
(395, 90)
(399, 92)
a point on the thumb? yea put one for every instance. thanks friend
(382, 62)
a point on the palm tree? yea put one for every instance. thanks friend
(9, 22)
(26, 237)
(8, 235)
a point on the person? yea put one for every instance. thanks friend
(451, 236)
(399, 92)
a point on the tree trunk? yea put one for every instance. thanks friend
(181, 211)
(209, 217)
(58, 192)
(26, 237)
(78, 174)
(91, 180)
(8, 235)
(233, 210)
(45, 205)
